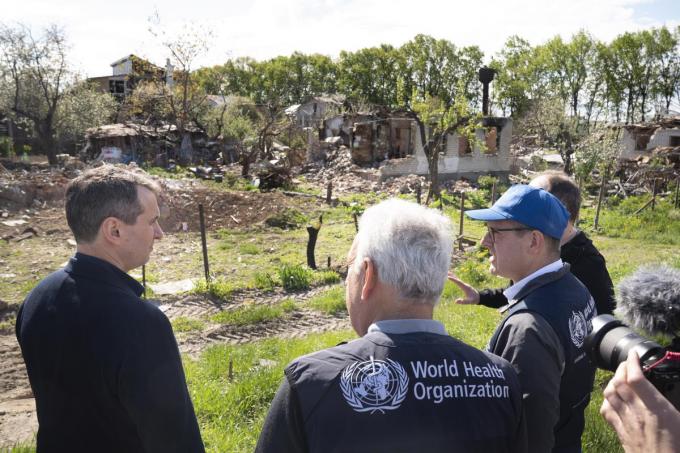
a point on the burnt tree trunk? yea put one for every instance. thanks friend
(313, 232)
(46, 141)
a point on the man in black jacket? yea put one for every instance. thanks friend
(102, 362)
(587, 263)
(405, 385)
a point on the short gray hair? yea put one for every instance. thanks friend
(410, 246)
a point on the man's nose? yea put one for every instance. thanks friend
(158, 232)
(486, 240)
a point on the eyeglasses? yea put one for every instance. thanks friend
(494, 231)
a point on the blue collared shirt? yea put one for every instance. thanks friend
(403, 326)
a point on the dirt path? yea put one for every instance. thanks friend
(18, 420)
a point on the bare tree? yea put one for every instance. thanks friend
(184, 98)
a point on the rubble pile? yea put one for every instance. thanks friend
(338, 169)
(22, 186)
(273, 174)
(347, 177)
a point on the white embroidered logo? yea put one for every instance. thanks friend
(577, 328)
(374, 385)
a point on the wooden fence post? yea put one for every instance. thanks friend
(462, 217)
(329, 192)
(599, 198)
(206, 264)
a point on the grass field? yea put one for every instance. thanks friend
(231, 409)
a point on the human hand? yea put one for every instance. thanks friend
(470, 295)
(642, 417)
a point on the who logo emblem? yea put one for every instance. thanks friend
(578, 328)
(374, 385)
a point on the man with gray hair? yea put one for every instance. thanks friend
(405, 385)
(103, 363)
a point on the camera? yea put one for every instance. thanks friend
(609, 342)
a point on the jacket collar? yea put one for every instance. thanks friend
(536, 283)
(102, 271)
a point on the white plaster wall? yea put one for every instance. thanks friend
(334, 123)
(662, 137)
(628, 146)
(123, 68)
(451, 162)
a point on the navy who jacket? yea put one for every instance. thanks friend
(103, 365)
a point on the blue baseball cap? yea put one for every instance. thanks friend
(530, 206)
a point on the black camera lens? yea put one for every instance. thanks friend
(610, 341)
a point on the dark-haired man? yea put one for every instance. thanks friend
(104, 364)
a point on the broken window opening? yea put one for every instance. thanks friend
(400, 143)
(464, 148)
(642, 140)
(674, 140)
(492, 140)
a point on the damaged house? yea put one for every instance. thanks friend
(458, 159)
(314, 110)
(641, 142)
(128, 71)
(392, 139)
(126, 142)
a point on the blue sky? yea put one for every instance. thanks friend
(101, 32)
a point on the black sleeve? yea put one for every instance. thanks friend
(283, 429)
(521, 444)
(17, 325)
(533, 348)
(591, 270)
(493, 298)
(153, 390)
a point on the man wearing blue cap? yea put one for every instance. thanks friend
(547, 317)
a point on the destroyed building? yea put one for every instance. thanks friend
(313, 111)
(488, 155)
(391, 140)
(128, 71)
(126, 142)
(639, 140)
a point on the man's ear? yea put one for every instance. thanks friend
(110, 230)
(370, 278)
(537, 242)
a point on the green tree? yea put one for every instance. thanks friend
(370, 74)
(627, 50)
(436, 68)
(82, 107)
(517, 76)
(437, 119)
(34, 77)
(554, 129)
(569, 64)
(667, 78)
(597, 150)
